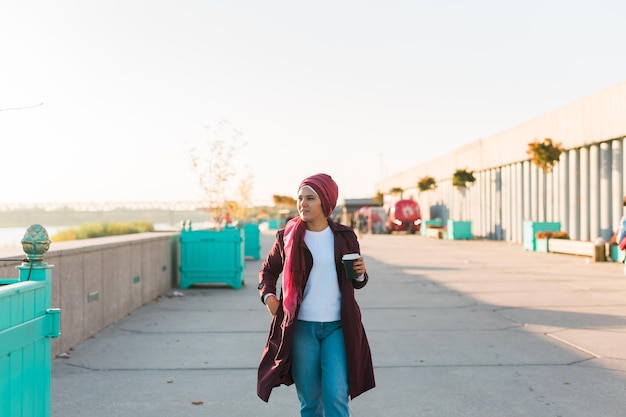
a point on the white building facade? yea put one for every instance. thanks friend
(584, 192)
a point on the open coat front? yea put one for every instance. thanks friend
(275, 366)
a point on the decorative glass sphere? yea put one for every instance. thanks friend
(36, 242)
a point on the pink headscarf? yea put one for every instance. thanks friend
(293, 273)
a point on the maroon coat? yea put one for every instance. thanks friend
(275, 366)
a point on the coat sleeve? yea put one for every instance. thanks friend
(360, 284)
(272, 267)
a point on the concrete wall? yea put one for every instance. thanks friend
(584, 192)
(97, 282)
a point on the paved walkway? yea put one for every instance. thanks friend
(457, 328)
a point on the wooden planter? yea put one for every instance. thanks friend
(578, 247)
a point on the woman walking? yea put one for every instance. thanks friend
(316, 339)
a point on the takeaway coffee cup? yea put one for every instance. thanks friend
(348, 260)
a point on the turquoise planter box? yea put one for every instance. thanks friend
(459, 230)
(542, 245)
(211, 256)
(252, 240)
(530, 229)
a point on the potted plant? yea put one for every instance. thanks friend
(399, 191)
(544, 154)
(543, 239)
(426, 183)
(462, 179)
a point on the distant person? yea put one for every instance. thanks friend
(317, 339)
(289, 217)
(621, 230)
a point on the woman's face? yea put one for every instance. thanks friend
(310, 206)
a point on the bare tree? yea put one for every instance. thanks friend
(245, 195)
(214, 165)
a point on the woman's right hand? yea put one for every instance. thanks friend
(272, 304)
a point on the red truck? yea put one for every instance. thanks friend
(404, 215)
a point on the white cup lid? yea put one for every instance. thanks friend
(350, 256)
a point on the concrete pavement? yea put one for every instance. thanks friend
(457, 328)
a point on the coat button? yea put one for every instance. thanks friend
(261, 285)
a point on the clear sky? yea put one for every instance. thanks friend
(357, 89)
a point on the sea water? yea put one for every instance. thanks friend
(11, 237)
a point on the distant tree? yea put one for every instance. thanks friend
(379, 198)
(284, 201)
(245, 196)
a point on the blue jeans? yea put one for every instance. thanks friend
(319, 369)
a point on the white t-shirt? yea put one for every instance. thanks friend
(322, 297)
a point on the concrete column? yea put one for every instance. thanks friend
(605, 191)
(452, 197)
(623, 171)
(468, 204)
(505, 180)
(574, 196)
(617, 182)
(486, 209)
(548, 196)
(526, 197)
(594, 193)
(497, 196)
(541, 195)
(585, 196)
(564, 191)
(534, 192)
(554, 193)
(489, 229)
(482, 227)
(517, 197)
(491, 195)
(459, 200)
